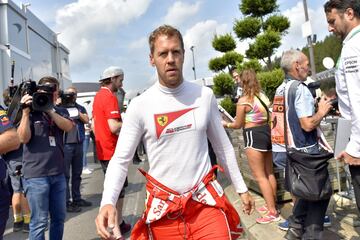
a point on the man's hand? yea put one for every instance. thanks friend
(344, 156)
(106, 223)
(324, 105)
(26, 102)
(248, 203)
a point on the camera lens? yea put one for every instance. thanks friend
(42, 100)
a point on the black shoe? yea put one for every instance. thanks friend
(293, 234)
(82, 203)
(124, 227)
(26, 228)
(18, 226)
(72, 208)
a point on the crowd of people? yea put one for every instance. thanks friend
(176, 121)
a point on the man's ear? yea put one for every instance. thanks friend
(151, 58)
(349, 13)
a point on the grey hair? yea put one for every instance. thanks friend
(288, 58)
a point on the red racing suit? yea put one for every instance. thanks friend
(161, 201)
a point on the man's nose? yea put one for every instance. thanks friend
(171, 57)
(330, 28)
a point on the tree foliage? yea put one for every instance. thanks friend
(251, 64)
(277, 23)
(258, 8)
(249, 27)
(329, 47)
(223, 84)
(272, 27)
(217, 64)
(270, 81)
(229, 106)
(224, 43)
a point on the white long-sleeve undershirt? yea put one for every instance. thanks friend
(174, 125)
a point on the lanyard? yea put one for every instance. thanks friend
(51, 124)
(352, 35)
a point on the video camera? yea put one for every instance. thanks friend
(42, 98)
(68, 99)
(325, 85)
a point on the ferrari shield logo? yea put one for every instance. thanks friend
(162, 120)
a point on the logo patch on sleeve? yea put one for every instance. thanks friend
(174, 122)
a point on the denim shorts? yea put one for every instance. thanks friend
(16, 181)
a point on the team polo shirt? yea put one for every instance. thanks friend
(5, 124)
(40, 159)
(105, 107)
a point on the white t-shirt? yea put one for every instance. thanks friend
(174, 125)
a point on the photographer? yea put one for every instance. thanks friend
(42, 132)
(21, 210)
(73, 150)
(9, 141)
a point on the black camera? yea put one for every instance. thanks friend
(42, 95)
(68, 99)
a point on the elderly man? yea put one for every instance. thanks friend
(307, 217)
(174, 118)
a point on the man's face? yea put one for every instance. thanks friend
(168, 58)
(119, 81)
(303, 68)
(337, 23)
(236, 77)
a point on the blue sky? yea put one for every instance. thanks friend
(101, 33)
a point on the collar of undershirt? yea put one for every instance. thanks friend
(173, 91)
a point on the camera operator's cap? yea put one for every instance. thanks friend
(112, 71)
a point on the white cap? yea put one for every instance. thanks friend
(112, 71)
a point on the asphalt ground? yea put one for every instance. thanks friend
(81, 226)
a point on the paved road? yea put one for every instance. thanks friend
(81, 226)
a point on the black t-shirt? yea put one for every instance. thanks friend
(40, 158)
(5, 124)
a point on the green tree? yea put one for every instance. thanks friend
(264, 25)
(329, 47)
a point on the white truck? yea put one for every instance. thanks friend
(31, 45)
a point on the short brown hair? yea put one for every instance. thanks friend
(49, 79)
(342, 5)
(166, 30)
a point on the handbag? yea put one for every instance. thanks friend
(306, 175)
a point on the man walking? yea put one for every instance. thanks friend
(174, 118)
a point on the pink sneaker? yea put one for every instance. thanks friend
(268, 218)
(262, 210)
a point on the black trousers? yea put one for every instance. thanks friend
(4, 206)
(308, 218)
(355, 179)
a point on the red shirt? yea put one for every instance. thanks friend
(105, 107)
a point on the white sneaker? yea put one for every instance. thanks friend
(86, 171)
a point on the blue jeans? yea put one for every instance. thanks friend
(279, 159)
(73, 155)
(86, 144)
(46, 195)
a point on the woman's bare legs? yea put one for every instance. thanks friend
(262, 172)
